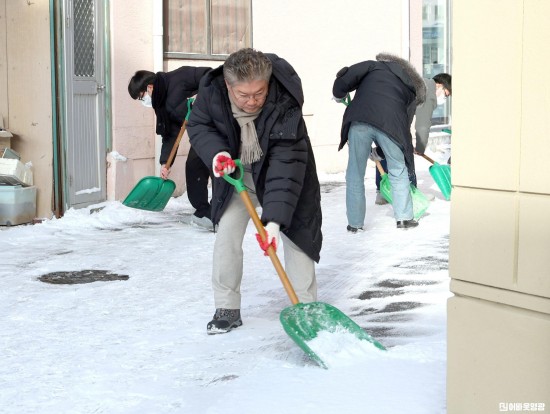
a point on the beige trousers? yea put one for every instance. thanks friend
(228, 256)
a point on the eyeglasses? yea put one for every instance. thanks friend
(257, 97)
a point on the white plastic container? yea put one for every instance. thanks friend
(17, 204)
(14, 172)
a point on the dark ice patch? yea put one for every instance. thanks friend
(400, 307)
(399, 283)
(81, 276)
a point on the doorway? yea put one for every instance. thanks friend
(81, 103)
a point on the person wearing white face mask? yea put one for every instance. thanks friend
(441, 98)
(438, 89)
(167, 93)
(146, 100)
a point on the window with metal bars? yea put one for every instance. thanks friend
(206, 29)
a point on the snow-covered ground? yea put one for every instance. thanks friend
(140, 345)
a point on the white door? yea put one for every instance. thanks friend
(84, 140)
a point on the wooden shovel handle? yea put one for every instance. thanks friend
(176, 144)
(425, 157)
(379, 166)
(180, 134)
(270, 251)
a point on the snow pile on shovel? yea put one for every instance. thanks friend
(341, 348)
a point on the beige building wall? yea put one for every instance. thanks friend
(499, 318)
(133, 127)
(135, 35)
(25, 90)
(319, 37)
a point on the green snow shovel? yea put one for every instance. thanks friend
(153, 193)
(441, 175)
(419, 200)
(302, 321)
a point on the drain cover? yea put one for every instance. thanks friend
(81, 276)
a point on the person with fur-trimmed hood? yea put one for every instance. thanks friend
(387, 91)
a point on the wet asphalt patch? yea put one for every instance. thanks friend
(81, 276)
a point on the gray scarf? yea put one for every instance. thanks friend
(250, 147)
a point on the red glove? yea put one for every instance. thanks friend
(271, 237)
(223, 164)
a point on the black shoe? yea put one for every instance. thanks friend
(224, 320)
(354, 229)
(406, 224)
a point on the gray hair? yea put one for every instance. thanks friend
(246, 65)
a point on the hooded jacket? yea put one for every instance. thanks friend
(178, 86)
(388, 90)
(285, 176)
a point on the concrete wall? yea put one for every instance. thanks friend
(133, 36)
(3, 63)
(319, 37)
(25, 89)
(499, 318)
(133, 129)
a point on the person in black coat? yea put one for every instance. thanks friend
(387, 91)
(438, 89)
(167, 93)
(251, 108)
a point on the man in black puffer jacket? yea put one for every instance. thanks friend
(251, 108)
(388, 90)
(167, 93)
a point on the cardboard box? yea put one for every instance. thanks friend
(14, 172)
(17, 205)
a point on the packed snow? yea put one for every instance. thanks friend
(140, 345)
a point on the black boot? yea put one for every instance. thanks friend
(406, 224)
(224, 320)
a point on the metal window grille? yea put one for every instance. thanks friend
(206, 29)
(84, 38)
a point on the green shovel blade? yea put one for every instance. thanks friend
(419, 200)
(385, 188)
(442, 177)
(150, 193)
(304, 321)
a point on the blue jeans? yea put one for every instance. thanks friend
(412, 177)
(360, 139)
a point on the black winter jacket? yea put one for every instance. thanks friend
(180, 84)
(387, 93)
(285, 177)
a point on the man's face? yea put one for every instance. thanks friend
(249, 96)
